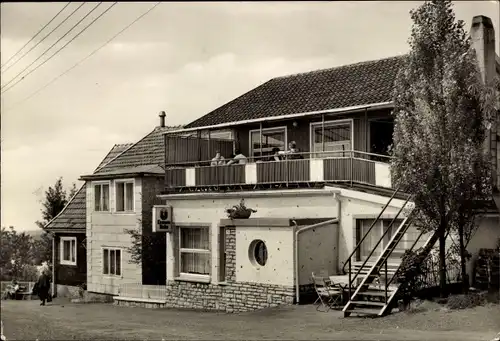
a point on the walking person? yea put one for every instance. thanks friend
(43, 286)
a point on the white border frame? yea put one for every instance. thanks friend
(101, 182)
(189, 276)
(61, 251)
(280, 128)
(109, 248)
(124, 181)
(329, 123)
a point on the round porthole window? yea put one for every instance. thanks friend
(257, 252)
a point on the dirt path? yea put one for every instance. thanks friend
(27, 320)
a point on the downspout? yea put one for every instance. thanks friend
(296, 241)
(54, 284)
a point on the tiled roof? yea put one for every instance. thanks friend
(147, 151)
(73, 216)
(117, 149)
(340, 87)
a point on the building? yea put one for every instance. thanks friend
(69, 240)
(313, 209)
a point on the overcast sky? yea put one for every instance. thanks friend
(184, 58)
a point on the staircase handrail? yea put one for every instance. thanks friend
(382, 237)
(358, 245)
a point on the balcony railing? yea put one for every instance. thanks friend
(356, 167)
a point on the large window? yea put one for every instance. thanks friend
(68, 251)
(101, 197)
(111, 261)
(374, 236)
(332, 139)
(194, 250)
(271, 138)
(124, 196)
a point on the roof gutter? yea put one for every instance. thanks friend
(373, 106)
(118, 176)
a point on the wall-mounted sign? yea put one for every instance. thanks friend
(162, 218)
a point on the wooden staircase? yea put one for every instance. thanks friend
(373, 278)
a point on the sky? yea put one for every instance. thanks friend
(184, 58)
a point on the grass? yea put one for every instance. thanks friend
(63, 320)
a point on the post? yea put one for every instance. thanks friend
(198, 138)
(367, 127)
(322, 133)
(385, 284)
(209, 144)
(260, 139)
(54, 262)
(352, 170)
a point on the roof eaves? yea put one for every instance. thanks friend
(65, 207)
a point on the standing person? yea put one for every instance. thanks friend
(43, 286)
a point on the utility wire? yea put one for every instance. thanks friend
(41, 40)
(47, 50)
(88, 56)
(40, 31)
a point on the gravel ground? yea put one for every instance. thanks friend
(26, 320)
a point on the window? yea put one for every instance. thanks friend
(194, 251)
(375, 234)
(222, 254)
(271, 138)
(257, 252)
(337, 137)
(112, 262)
(124, 196)
(101, 197)
(68, 251)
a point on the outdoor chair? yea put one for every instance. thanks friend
(329, 295)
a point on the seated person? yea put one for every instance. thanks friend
(12, 290)
(217, 160)
(238, 158)
(276, 155)
(292, 152)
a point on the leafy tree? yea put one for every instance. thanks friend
(54, 202)
(441, 110)
(16, 253)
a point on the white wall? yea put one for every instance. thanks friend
(279, 267)
(486, 237)
(317, 252)
(107, 229)
(210, 209)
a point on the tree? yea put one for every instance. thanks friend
(441, 110)
(16, 253)
(55, 200)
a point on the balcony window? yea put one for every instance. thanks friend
(271, 138)
(124, 196)
(194, 250)
(101, 197)
(334, 138)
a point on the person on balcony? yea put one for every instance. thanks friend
(238, 159)
(217, 160)
(292, 152)
(276, 155)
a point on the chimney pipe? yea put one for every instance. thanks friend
(483, 40)
(162, 118)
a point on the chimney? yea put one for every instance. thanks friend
(483, 40)
(162, 118)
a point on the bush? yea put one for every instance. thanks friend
(466, 301)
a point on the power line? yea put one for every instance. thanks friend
(87, 57)
(51, 46)
(40, 31)
(41, 40)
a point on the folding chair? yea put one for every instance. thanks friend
(329, 295)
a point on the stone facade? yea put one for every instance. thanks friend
(230, 296)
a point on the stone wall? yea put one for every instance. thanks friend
(230, 296)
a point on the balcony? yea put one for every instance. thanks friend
(351, 167)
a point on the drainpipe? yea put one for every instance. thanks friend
(297, 232)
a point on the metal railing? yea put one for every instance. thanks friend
(337, 166)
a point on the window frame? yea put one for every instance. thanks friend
(124, 182)
(271, 129)
(101, 183)
(330, 123)
(62, 261)
(180, 251)
(112, 248)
